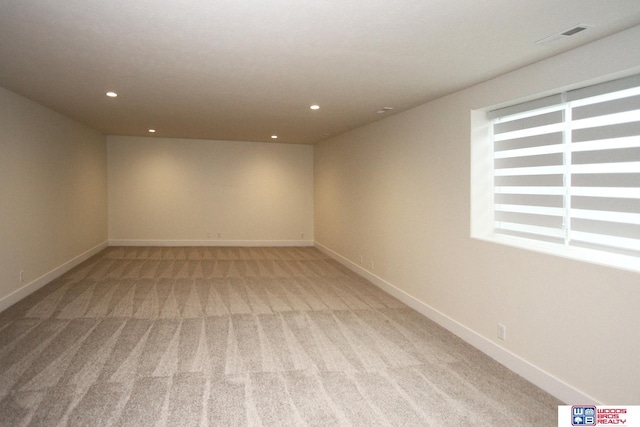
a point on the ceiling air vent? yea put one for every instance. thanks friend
(563, 35)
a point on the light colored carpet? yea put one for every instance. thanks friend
(203, 336)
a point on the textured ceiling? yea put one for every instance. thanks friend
(249, 69)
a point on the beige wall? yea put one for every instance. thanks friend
(180, 191)
(397, 193)
(53, 195)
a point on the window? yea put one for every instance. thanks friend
(566, 173)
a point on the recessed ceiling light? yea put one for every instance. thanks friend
(112, 94)
(384, 110)
(315, 107)
(274, 136)
(152, 131)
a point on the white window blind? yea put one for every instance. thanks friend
(567, 169)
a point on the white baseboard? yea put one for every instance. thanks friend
(244, 243)
(36, 284)
(546, 381)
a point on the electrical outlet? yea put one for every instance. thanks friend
(218, 235)
(502, 332)
(361, 260)
(302, 235)
(21, 276)
(371, 265)
(208, 235)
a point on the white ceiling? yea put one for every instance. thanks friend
(249, 69)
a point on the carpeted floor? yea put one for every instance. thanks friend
(205, 336)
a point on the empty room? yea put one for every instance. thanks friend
(356, 213)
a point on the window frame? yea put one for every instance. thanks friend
(482, 178)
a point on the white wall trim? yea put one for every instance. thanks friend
(246, 243)
(546, 381)
(36, 284)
